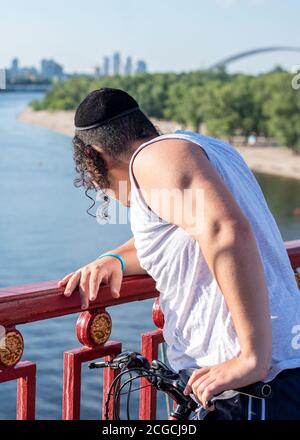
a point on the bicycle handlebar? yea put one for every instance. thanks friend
(165, 379)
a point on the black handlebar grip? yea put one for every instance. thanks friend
(258, 390)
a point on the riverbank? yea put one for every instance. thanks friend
(278, 161)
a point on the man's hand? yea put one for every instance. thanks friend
(206, 383)
(107, 270)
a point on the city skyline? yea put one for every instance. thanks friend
(183, 36)
(114, 65)
(49, 69)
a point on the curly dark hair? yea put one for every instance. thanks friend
(115, 138)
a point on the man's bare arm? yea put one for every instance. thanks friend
(228, 246)
(106, 270)
(128, 252)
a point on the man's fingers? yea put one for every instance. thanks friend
(95, 281)
(84, 298)
(199, 388)
(88, 280)
(196, 375)
(115, 283)
(65, 280)
(210, 391)
(84, 289)
(72, 283)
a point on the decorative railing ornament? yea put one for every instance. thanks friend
(93, 328)
(11, 348)
(157, 314)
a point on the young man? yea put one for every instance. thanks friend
(203, 231)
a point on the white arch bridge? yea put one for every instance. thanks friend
(252, 52)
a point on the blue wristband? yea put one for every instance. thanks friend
(111, 254)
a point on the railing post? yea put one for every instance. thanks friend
(25, 374)
(150, 342)
(93, 330)
(108, 378)
(149, 348)
(26, 394)
(73, 360)
(71, 387)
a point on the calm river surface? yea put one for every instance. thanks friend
(45, 233)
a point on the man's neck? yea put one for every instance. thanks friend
(139, 142)
(120, 171)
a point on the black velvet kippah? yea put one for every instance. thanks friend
(102, 106)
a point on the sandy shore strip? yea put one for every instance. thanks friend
(278, 161)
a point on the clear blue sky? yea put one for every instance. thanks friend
(169, 34)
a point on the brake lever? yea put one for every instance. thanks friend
(126, 359)
(94, 365)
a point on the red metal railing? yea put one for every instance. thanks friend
(35, 302)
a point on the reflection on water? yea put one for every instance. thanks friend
(45, 233)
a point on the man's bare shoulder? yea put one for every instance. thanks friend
(168, 157)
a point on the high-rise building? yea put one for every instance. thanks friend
(128, 66)
(50, 69)
(114, 66)
(2, 79)
(14, 67)
(141, 67)
(105, 68)
(116, 63)
(97, 71)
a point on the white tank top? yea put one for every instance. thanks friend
(198, 326)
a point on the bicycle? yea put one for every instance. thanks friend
(163, 379)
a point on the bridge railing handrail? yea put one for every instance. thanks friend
(39, 301)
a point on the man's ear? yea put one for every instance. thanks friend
(106, 157)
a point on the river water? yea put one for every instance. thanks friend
(45, 233)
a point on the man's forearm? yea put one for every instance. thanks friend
(129, 254)
(234, 259)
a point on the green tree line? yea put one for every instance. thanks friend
(266, 104)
